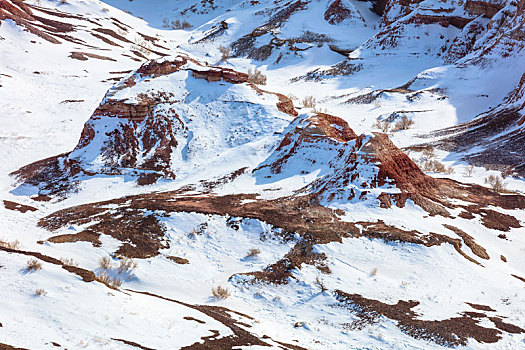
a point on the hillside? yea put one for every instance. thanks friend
(326, 174)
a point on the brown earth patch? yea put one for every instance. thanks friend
(189, 318)
(84, 236)
(132, 343)
(450, 332)
(480, 307)
(469, 241)
(240, 337)
(177, 260)
(18, 207)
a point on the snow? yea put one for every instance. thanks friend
(44, 114)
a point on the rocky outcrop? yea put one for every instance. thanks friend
(146, 132)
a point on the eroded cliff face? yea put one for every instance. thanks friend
(146, 129)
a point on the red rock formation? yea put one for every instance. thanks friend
(336, 12)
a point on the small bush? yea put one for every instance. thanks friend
(253, 252)
(309, 102)
(256, 77)
(496, 183)
(225, 53)
(434, 166)
(220, 292)
(141, 45)
(11, 245)
(126, 265)
(105, 278)
(469, 170)
(40, 292)
(320, 284)
(177, 24)
(383, 125)
(116, 282)
(404, 124)
(68, 262)
(428, 154)
(450, 170)
(33, 265)
(105, 263)
(373, 272)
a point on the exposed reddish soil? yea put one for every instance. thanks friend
(449, 332)
(336, 12)
(240, 337)
(18, 207)
(85, 236)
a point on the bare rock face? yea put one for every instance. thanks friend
(149, 123)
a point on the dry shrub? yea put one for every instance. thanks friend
(383, 125)
(177, 24)
(320, 284)
(68, 261)
(126, 265)
(104, 277)
(40, 292)
(428, 154)
(33, 265)
(450, 170)
(105, 263)
(220, 292)
(116, 282)
(253, 252)
(469, 170)
(434, 166)
(309, 102)
(496, 183)
(141, 45)
(373, 272)
(256, 77)
(11, 245)
(404, 124)
(225, 53)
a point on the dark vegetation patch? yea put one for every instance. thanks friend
(450, 332)
(18, 207)
(178, 260)
(84, 236)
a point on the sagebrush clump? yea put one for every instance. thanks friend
(33, 265)
(256, 77)
(496, 183)
(220, 292)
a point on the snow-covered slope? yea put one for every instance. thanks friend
(146, 165)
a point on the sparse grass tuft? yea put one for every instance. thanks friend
(220, 292)
(11, 245)
(33, 265)
(40, 292)
(105, 263)
(105, 278)
(373, 272)
(126, 265)
(383, 125)
(320, 284)
(404, 124)
(309, 102)
(253, 252)
(496, 183)
(68, 261)
(469, 170)
(225, 53)
(256, 77)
